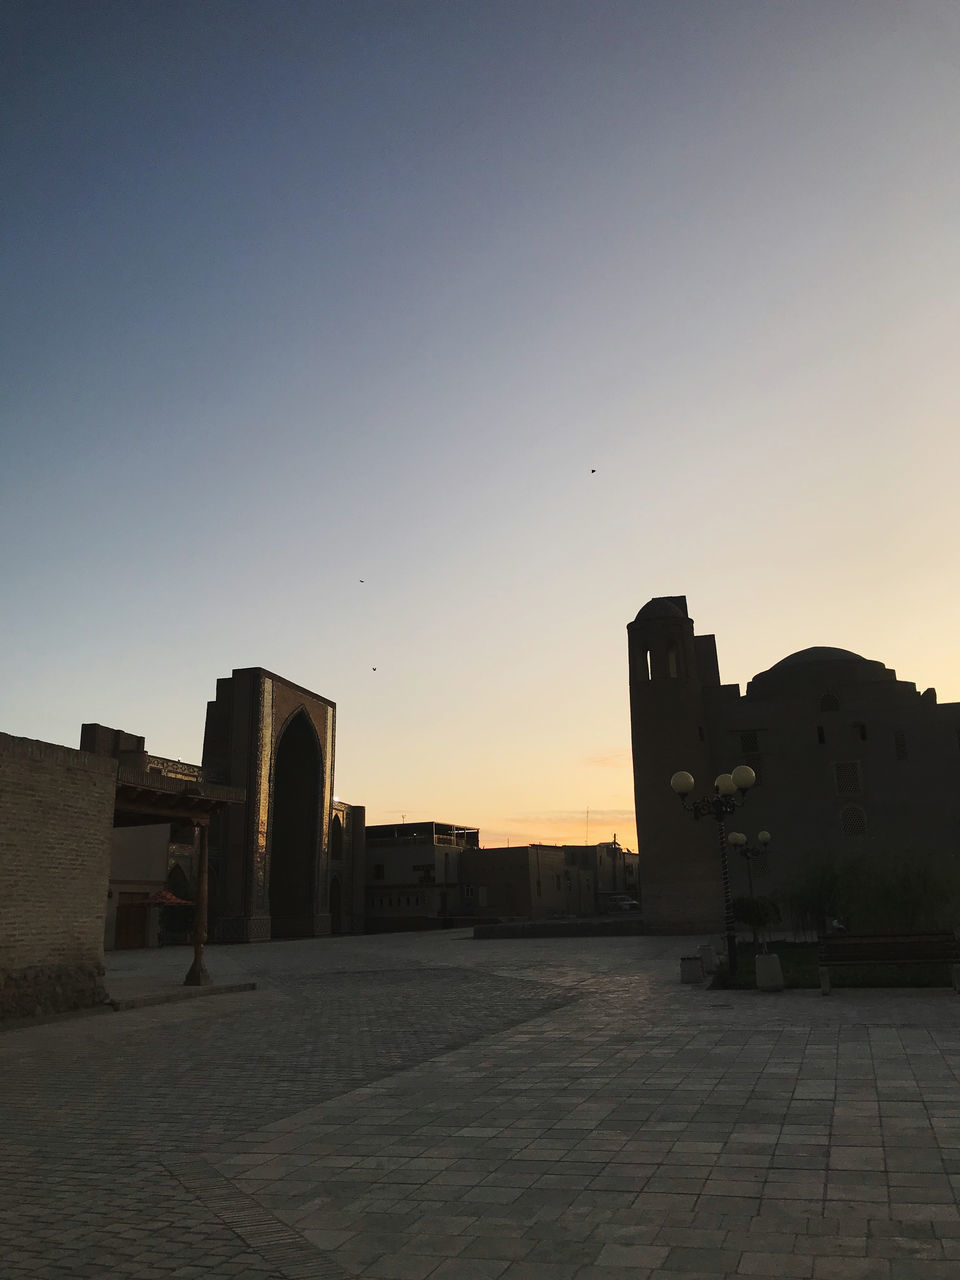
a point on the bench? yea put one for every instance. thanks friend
(895, 948)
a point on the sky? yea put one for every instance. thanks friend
(408, 349)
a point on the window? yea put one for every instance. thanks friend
(468, 891)
(899, 744)
(557, 878)
(539, 894)
(749, 741)
(378, 871)
(672, 668)
(847, 776)
(821, 736)
(853, 821)
(703, 737)
(861, 731)
(829, 702)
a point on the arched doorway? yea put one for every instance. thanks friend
(336, 838)
(297, 780)
(336, 917)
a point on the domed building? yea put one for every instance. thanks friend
(848, 759)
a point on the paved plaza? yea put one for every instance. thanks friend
(413, 1106)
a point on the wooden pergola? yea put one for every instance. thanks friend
(144, 797)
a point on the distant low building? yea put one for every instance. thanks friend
(421, 874)
(413, 874)
(538, 881)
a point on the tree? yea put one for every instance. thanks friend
(759, 914)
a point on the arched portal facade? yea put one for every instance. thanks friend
(272, 858)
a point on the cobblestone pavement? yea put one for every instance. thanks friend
(412, 1106)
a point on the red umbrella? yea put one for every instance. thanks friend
(164, 898)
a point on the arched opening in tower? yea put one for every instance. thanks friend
(336, 838)
(297, 785)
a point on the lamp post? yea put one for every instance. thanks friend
(197, 975)
(729, 792)
(750, 854)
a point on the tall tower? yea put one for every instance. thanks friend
(679, 859)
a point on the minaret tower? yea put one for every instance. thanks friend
(679, 864)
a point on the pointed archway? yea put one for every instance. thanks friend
(297, 785)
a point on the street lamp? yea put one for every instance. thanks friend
(729, 792)
(750, 854)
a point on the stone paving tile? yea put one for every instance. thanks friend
(595, 1108)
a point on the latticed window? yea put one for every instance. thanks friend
(900, 744)
(853, 821)
(847, 777)
(749, 741)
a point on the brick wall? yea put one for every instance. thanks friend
(55, 832)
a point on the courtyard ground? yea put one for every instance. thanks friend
(413, 1106)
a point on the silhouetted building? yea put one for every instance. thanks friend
(847, 756)
(539, 881)
(422, 873)
(288, 863)
(413, 873)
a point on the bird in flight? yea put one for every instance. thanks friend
(593, 471)
(373, 668)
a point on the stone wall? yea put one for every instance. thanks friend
(57, 807)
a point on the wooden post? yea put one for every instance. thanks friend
(197, 975)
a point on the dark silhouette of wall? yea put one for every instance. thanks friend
(851, 762)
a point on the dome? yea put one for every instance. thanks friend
(818, 653)
(663, 607)
(818, 663)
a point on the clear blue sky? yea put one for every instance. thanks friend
(298, 294)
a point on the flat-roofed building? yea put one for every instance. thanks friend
(413, 873)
